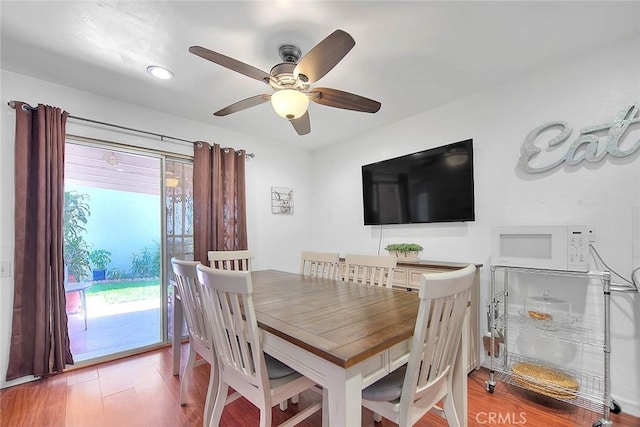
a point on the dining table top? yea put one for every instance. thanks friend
(341, 322)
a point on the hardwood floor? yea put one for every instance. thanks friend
(141, 391)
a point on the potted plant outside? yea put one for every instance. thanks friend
(76, 249)
(76, 253)
(405, 251)
(100, 259)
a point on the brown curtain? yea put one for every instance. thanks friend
(219, 205)
(39, 334)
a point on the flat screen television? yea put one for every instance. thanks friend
(434, 185)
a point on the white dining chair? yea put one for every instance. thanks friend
(242, 364)
(240, 261)
(199, 339)
(375, 270)
(408, 393)
(230, 260)
(319, 264)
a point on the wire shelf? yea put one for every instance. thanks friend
(558, 273)
(591, 335)
(590, 393)
(575, 333)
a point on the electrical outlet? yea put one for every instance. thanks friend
(5, 269)
(592, 235)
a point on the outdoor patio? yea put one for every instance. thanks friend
(113, 328)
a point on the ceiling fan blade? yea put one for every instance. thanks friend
(345, 100)
(242, 105)
(325, 55)
(230, 63)
(302, 125)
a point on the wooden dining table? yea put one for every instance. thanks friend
(344, 336)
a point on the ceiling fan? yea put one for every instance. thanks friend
(292, 78)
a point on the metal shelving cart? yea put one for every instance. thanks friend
(589, 390)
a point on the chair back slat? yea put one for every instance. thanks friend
(189, 292)
(230, 312)
(319, 264)
(231, 318)
(443, 302)
(230, 260)
(375, 270)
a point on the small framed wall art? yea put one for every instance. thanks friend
(282, 200)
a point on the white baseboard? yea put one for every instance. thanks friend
(628, 406)
(21, 380)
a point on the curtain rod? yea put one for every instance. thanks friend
(162, 137)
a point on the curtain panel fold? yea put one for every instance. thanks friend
(219, 200)
(39, 335)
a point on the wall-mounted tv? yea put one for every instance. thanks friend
(434, 185)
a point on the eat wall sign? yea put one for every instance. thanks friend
(587, 146)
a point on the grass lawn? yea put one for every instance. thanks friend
(126, 290)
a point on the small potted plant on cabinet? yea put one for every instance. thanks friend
(405, 251)
(100, 259)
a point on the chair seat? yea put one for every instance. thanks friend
(276, 368)
(386, 389)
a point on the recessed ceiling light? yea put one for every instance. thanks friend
(159, 72)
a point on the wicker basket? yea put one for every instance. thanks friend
(545, 380)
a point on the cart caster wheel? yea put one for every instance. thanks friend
(491, 387)
(614, 407)
(597, 424)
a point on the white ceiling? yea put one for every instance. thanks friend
(410, 56)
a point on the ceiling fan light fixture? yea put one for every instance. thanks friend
(455, 158)
(289, 103)
(159, 72)
(292, 78)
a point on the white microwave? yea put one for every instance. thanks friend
(549, 247)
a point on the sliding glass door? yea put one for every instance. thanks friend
(119, 204)
(179, 222)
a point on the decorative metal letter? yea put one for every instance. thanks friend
(590, 142)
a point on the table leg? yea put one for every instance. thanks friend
(459, 380)
(325, 407)
(83, 304)
(342, 388)
(176, 339)
(345, 399)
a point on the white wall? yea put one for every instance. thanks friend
(584, 91)
(276, 239)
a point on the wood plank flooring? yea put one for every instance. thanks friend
(141, 391)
